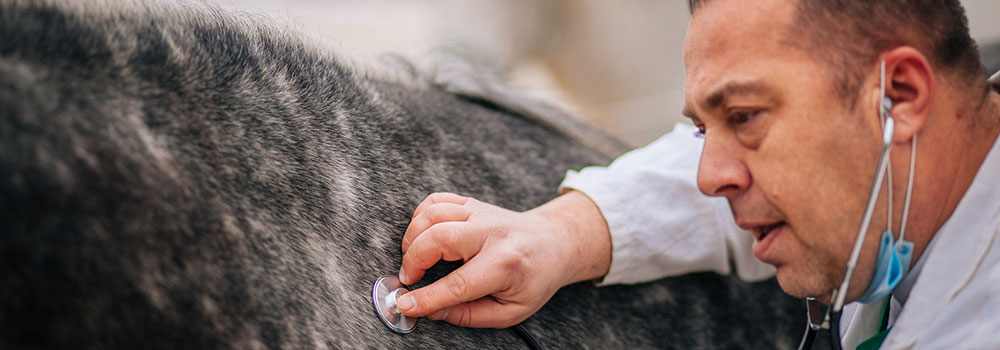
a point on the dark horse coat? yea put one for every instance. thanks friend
(174, 176)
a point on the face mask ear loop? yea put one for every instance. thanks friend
(883, 109)
(909, 189)
(913, 158)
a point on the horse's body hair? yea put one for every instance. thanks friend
(172, 176)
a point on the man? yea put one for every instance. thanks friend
(787, 95)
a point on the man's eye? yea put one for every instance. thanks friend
(740, 117)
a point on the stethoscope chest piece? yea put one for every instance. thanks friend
(384, 293)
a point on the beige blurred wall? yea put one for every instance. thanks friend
(617, 63)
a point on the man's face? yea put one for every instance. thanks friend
(793, 159)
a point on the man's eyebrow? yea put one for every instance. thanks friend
(718, 97)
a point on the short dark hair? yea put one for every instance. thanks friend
(850, 34)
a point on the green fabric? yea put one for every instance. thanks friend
(876, 340)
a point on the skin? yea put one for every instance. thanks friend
(779, 145)
(514, 261)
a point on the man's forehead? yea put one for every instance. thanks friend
(729, 25)
(742, 6)
(727, 42)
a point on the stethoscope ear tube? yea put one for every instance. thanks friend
(835, 330)
(841, 292)
(807, 339)
(832, 318)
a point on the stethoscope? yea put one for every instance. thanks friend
(831, 319)
(384, 293)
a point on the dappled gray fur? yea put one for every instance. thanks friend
(173, 176)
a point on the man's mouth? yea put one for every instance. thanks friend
(760, 232)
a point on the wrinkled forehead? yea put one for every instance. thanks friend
(736, 39)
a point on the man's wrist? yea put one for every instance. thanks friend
(586, 234)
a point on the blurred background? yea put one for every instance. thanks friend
(616, 63)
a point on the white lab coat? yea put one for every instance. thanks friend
(661, 225)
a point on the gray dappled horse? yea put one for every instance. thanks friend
(173, 176)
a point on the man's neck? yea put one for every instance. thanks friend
(950, 155)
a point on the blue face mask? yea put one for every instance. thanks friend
(892, 265)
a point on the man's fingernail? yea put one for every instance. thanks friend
(439, 315)
(402, 276)
(406, 302)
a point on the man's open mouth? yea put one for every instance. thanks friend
(760, 232)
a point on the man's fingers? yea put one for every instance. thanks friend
(433, 214)
(439, 197)
(472, 281)
(449, 241)
(484, 312)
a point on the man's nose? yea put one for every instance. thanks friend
(720, 172)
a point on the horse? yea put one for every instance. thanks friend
(178, 175)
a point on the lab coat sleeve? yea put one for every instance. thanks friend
(661, 224)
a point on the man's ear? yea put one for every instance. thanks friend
(910, 85)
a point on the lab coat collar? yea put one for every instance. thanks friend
(961, 244)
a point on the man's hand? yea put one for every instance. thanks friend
(514, 261)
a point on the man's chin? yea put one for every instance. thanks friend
(802, 288)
